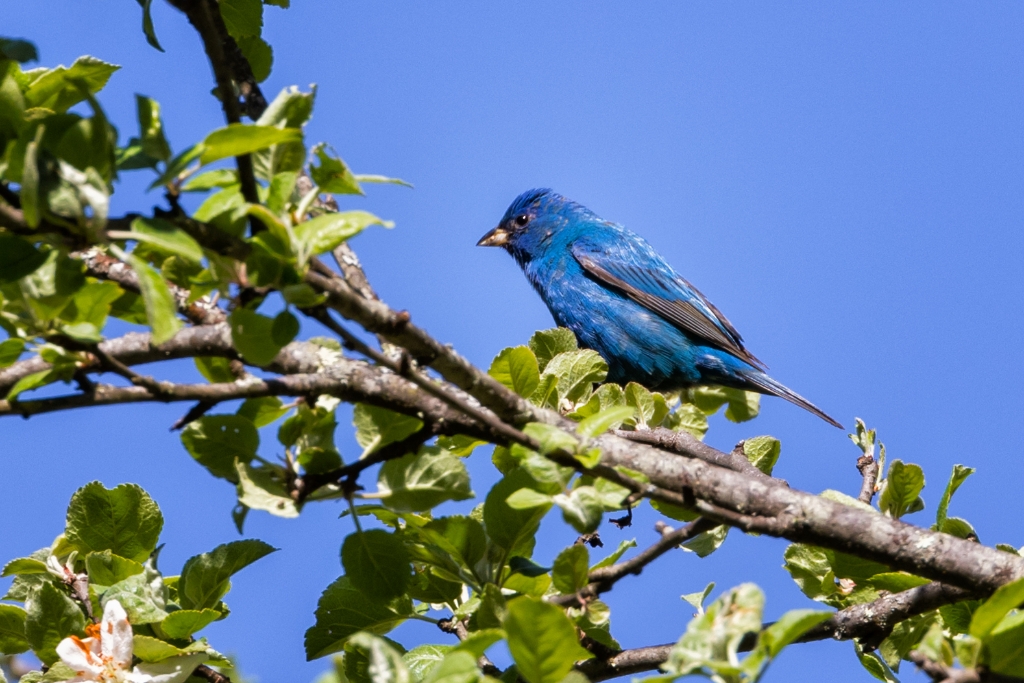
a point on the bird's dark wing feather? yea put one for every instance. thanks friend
(661, 291)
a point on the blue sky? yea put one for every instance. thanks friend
(843, 180)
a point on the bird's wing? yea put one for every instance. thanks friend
(649, 281)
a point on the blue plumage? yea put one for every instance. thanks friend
(623, 300)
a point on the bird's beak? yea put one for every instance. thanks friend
(495, 238)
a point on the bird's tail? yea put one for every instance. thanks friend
(766, 385)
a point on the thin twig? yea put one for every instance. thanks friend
(206, 673)
(868, 468)
(939, 672)
(305, 485)
(604, 579)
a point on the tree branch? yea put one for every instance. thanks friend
(304, 486)
(684, 443)
(227, 63)
(871, 621)
(868, 468)
(604, 579)
(940, 673)
(749, 502)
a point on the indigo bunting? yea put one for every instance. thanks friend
(624, 301)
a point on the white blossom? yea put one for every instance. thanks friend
(106, 654)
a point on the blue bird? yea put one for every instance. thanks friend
(623, 300)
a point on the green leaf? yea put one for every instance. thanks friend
(10, 350)
(263, 488)
(382, 661)
(238, 139)
(143, 600)
(204, 577)
(810, 569)
(762, 452)
(507, 527)
(420, 481)
(542, 640)
(218, 177)
(242, 17)
(896, 582)
(327, 231)
(456, 667)
(124, 520)
(161, 309)
(163, 235)
(955, 526)
(218, 441)
(252, 334)
(582, 508)
(607, 396)
(333, 175)
(874, 665)
(958, 477)
(577, 371)
(571, 572)
(259, 54)
(61, 88)
(33, 381)
(712, 639)
(614, 557)
(377, 563)
(105, 568)
(263, 411)
(705, 543)
(547, 344)
(423, 658)
(598, 424)
(643, 400)
(551, 438)
(18, 50)
(516, 368)
(789, 627)
(284, 329)
(12, 630)
(50, 617)
(18, 258)
(903, 487)
(185, 622)
(493, 608)
(151, 130)
(150, 649)
(525, 499)
(991, 612)
(698, 599)
(1005, 647)
(147, 24)
(344, 610)
(376, 427)
(742, 405)
(29, 193)
(26, 565)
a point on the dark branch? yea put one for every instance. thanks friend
(206, 673)
(226, 60)
(304, 486)
(871, 622)
(604, 579)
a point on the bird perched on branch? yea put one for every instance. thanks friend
(624, 301)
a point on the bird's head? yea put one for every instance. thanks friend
(532, 220)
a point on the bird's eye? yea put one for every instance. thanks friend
(522, 219)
